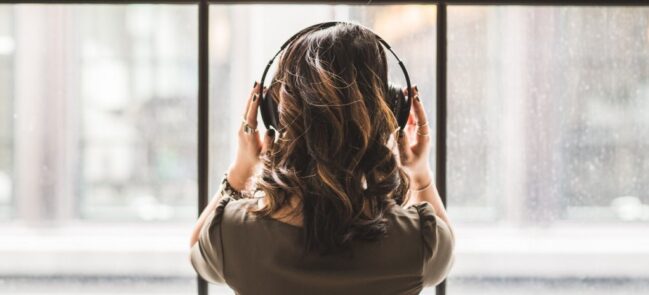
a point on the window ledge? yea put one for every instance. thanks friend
(163, 250)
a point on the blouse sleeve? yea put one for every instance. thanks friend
(207, 253)
(439, 245)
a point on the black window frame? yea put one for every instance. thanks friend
(441, 71)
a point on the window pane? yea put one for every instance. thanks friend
(6, 114)
(245, 37)
(97, 148)
(547, 148)
(138, 96)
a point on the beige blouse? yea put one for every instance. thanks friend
(261, 255)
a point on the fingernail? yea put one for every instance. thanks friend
(416, 89)
(254, 97)
(253, 86)
(401, 133)
(271, 132)
(417, 97)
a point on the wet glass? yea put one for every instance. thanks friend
(548, 162)
(97, 148)
(7, 49)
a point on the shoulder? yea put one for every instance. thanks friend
(417, 217)
(439, 243)
(236, 211)
(425, 214)
(433, 229)
(231, 199)
(243, 204)
(229, 209)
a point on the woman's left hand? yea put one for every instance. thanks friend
(250, 145)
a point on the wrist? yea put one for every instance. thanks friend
(421, 179)
(238, 177)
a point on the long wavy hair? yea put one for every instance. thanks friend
(333, 153)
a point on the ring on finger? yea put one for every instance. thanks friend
(420, 125)
(247, 128)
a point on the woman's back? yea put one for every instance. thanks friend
(262, 255)
(371, 220)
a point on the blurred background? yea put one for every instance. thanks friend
(548, 139)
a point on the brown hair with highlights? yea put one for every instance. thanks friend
(333, 153)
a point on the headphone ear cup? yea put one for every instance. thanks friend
(269, 110)
(400, 107)
(264, 110)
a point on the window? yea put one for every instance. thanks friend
(6, 134)
(138, 102)
(547, 137)
(547, 153)
(245, 37)
(97, 147)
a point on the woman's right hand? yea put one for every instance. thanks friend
(414, 144)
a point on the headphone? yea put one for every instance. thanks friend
(398, 102)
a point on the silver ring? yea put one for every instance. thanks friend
(421, 125)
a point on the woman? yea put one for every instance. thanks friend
(340, 206)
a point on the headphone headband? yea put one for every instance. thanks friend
(402, 120)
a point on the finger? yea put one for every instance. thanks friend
(411, 122)
(405, 154)
(418, 108)
(269, 141)
(250, 96)
(411, 117)
(423, 125)
(251, 116)
(411, 128)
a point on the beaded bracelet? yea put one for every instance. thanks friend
(228, 189)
